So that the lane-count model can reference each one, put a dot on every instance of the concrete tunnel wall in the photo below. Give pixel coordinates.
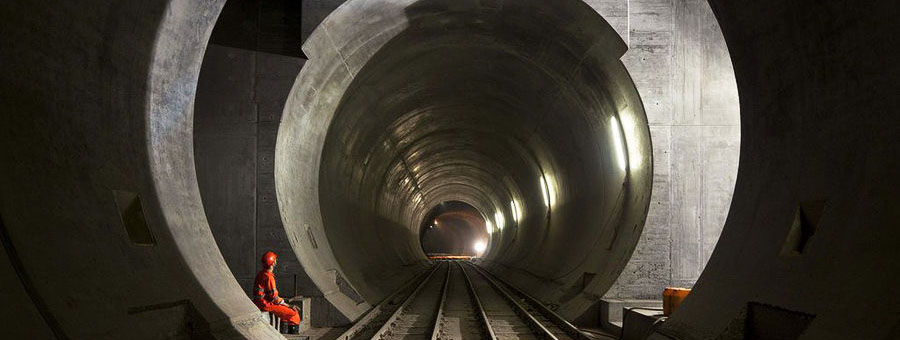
(817, 84)
(98, 106)
(819, 163)
(522, 104)
(679, 63)
(240, 97)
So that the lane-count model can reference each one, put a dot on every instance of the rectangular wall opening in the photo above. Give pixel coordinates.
(131, 212)
(766, 322)
(803, 227)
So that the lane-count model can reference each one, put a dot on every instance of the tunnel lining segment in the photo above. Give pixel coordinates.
(353, 46)
(104, 101)
(307, 114)
(39, 304)
(182, 36)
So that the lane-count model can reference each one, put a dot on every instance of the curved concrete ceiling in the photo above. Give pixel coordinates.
(522, 105)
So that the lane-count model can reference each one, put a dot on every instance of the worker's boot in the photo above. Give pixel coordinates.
(293, 329)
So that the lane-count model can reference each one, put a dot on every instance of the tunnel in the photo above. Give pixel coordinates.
(527, 111)
(453, 229)
(486, 105)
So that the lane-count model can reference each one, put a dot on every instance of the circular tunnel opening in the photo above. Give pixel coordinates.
(453, 229)
(524, 111)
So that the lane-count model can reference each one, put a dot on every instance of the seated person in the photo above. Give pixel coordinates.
(265, 294)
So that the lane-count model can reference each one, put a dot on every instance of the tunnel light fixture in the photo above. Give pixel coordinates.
(634, 150)
(516, 210)
(489, 226)
(545, 191)
(500, 220)
(618, 143)
(480, 246)
(548, 190)
(551, 189)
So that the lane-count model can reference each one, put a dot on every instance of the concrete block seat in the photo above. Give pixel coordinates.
(613, 311)
(274, 321)
(303, 302)
(639, 322)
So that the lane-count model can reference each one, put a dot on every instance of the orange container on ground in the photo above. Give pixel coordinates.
(672, 298)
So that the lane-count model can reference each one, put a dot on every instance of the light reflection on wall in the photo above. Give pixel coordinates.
(631, 141)
(618, 142)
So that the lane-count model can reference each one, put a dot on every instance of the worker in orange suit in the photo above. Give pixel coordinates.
(265, 294)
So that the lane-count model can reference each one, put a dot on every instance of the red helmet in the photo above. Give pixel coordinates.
(268, 259)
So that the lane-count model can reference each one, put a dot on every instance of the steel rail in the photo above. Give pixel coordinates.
(535, 324)
(557, 319)
(435, 332)
(375, 311)
(390, 321)
(484, 317)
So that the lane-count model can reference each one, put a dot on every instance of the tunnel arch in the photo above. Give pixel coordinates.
(106, 152)
(497, 105)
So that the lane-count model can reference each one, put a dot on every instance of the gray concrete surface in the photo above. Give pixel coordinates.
(430, 101)
(681, 66)
(240, 96)
(818, 87)
(98, 97)
(679, 62)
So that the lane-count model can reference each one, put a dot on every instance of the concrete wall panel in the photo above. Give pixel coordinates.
(240, 97)
(101, 95)
(817, 85)
(21, 309)
(681, 67)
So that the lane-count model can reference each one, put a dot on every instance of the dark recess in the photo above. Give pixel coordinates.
(131, 211)
(765, 322)
(803, 227)
(461, 225)
(263, 26)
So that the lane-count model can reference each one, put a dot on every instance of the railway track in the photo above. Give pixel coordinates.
(548, 319)
(460, 317)
(459, 301)
(367, 326)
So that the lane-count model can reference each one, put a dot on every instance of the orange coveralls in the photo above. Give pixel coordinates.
(265, 296)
